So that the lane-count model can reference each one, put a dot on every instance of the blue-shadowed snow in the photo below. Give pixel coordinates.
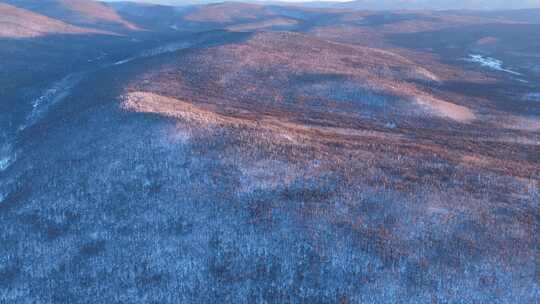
(5, 162)
(533, 96)
(50, 96)
(7, 155)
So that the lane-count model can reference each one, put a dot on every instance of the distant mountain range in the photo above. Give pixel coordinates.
(440, 4)
(381, 4)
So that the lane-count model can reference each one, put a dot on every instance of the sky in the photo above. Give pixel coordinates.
(206, 1)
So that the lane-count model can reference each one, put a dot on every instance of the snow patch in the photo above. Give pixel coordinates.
(5, 162)
(168, 48)
(98, 58)
(533, 97)
(7, 156)
(390, 125)
(52, 95)
(124, 61)
(491, 63)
